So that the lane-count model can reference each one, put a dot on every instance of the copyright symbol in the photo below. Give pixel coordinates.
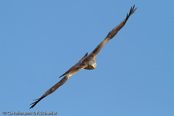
(4, 113)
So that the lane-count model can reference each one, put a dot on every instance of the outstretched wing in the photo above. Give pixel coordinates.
(112, 33)
(69, 70)
(60, 83)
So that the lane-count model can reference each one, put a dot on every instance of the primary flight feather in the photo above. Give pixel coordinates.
(87, 61)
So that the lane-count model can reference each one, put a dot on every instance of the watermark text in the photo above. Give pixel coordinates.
(29, 113)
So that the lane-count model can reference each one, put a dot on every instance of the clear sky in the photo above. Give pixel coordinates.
(40, 40)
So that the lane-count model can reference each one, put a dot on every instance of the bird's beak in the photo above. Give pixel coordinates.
(93, 66)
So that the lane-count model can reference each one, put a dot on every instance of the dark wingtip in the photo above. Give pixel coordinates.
(60, 76)
(86, 54)
(132, 10)
(36, 101)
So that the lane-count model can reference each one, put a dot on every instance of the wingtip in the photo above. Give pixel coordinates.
(36, 101)
(132, 10)
(62, 75)
(133, 5)
(86, 54)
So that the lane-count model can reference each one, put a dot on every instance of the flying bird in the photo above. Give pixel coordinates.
(87, 61)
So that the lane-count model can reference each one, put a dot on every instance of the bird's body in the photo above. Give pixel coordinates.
(87, 61)
(91, 64)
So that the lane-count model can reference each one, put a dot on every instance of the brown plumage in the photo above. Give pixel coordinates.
(87, 61)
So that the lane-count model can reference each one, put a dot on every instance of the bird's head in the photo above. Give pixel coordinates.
(91, 65)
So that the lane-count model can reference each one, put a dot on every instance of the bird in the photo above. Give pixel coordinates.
(87, 62)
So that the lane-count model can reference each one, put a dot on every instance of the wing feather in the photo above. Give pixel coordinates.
(69, 70)
(60, 83)
(112, 33)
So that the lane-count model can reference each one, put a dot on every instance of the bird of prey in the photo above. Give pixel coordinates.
(87, 61)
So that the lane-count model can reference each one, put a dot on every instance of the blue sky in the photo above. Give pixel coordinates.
(40, 40)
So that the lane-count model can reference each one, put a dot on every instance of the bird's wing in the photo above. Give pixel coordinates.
(111, 34)
(60, 83)
(69, 70)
